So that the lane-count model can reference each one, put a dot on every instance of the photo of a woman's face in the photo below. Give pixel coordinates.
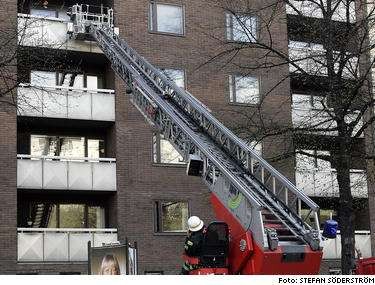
(110, 270)
(110, 265)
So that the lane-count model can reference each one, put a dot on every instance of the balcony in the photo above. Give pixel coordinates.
(323, 183)
(332, 247)
(311, 58)
(66, 102)
(312, 115)
(60, 245)
(66, 173)
(311, 9)
(46, 32)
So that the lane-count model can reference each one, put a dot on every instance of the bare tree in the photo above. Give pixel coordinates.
(328, 53)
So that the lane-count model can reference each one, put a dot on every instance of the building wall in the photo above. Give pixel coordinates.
(8, 130)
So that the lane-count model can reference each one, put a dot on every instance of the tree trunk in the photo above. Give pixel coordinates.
(346, 211)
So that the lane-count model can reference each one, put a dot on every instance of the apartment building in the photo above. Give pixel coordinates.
(80, 163)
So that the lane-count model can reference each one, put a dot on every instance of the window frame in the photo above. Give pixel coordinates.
(156, 151)
(158, 220)
(229, 26)
(232, 88)
(153, 21)
(85, 214)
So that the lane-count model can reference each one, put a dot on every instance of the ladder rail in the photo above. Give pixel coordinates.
(145, 88)
(265, 166)
(192, 129)
(184, 98)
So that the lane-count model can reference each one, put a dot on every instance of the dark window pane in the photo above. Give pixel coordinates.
(72, 216)
(174, 216)
(96, 218)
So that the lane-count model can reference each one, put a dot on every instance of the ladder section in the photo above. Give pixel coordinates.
(192, 129)
(160, 108)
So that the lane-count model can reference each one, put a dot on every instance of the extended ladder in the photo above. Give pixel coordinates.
(264, 201)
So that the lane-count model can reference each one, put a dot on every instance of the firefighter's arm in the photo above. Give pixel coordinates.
(188, 245)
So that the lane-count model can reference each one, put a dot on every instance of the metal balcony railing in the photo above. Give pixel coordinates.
(66, 102)
(66, 173)
(60, 245)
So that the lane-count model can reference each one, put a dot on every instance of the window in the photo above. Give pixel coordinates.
(43, 78)
(78, 80)
(45, 13)
(241, 28)
(66, 146)
(76, 216)
(176, 75)
(311, 161)
(244, 89)
(164, 151)
(72, 80)
(257, 146)
(58, 146)
(95, 148)
(166, 18)
(171, 216)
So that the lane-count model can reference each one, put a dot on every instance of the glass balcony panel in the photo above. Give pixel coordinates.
(103, 107)
(55, 175)
(60, 245)
(78, 246)
(38, 172)
(104, 176)
(67, 103)
(29, 174)
(80, 176)
(56, 247)
(30, 246)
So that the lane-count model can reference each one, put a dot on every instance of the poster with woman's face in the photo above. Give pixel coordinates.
(108, 260)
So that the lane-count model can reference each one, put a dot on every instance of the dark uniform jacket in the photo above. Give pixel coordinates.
(194, 243)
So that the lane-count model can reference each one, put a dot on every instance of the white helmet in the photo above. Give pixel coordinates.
(195, 224)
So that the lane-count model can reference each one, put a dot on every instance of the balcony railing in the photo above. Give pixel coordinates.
(66, 173)
(66, 102)
(332, 247)
(60, 245)
(37, 31)
(323, 183)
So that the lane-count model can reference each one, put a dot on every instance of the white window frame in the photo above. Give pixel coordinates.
(153, 19)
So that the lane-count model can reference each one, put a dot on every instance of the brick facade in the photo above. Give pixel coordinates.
(140, 182)
(8, 139)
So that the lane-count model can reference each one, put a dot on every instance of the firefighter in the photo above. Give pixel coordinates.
(193, 242)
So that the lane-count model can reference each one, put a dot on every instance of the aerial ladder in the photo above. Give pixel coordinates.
(261, 206)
